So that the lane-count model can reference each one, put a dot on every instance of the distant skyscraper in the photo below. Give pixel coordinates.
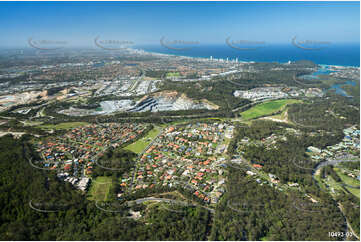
(211, 58)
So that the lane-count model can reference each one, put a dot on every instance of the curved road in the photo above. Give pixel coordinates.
(146, 199)
(335, 162)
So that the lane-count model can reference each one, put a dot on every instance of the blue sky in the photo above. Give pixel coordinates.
(79, 23)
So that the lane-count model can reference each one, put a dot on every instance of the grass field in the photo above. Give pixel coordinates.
(173, 74)
(333, 184)
(338, 185)
(349, 181)
(141, 144)
(99, 188)
(267, 108)
(69, 125)
(354, 191)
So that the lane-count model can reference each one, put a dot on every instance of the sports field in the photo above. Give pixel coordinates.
(267, 108)
(139, 145)
(99, 188)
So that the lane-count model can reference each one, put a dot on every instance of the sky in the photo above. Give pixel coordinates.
(79, 23)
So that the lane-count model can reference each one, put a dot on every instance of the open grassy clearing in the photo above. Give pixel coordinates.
(282, 117)
(354, 191)
(68, 125)
(99, 188)
(346, 179)
(139, 145)
(349, 181)
(173, 74)
(333, 186)
(31, 123)
(267, 108)
(337, 185)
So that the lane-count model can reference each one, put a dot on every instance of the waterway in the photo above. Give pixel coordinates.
(339, 90)
(325, 70)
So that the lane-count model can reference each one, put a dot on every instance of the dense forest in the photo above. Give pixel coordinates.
(317, 123)
(249, 211)
(331, 113)
(349, 203)
(114, 161)
(285, 156)
(351, 208)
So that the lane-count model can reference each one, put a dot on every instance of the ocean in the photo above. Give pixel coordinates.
(332, 54)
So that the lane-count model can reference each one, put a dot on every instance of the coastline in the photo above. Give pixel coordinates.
(145, 49)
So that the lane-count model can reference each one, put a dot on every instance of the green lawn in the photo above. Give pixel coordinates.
(349, 181)
(267, 108)
(346, 179)
(338, 185)
(333, 184)
(354, 191)
(173, 74)
(68, 125)
(139, 145)
(99, 188)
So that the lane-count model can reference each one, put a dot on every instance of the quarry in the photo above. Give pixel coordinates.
(160, 101)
